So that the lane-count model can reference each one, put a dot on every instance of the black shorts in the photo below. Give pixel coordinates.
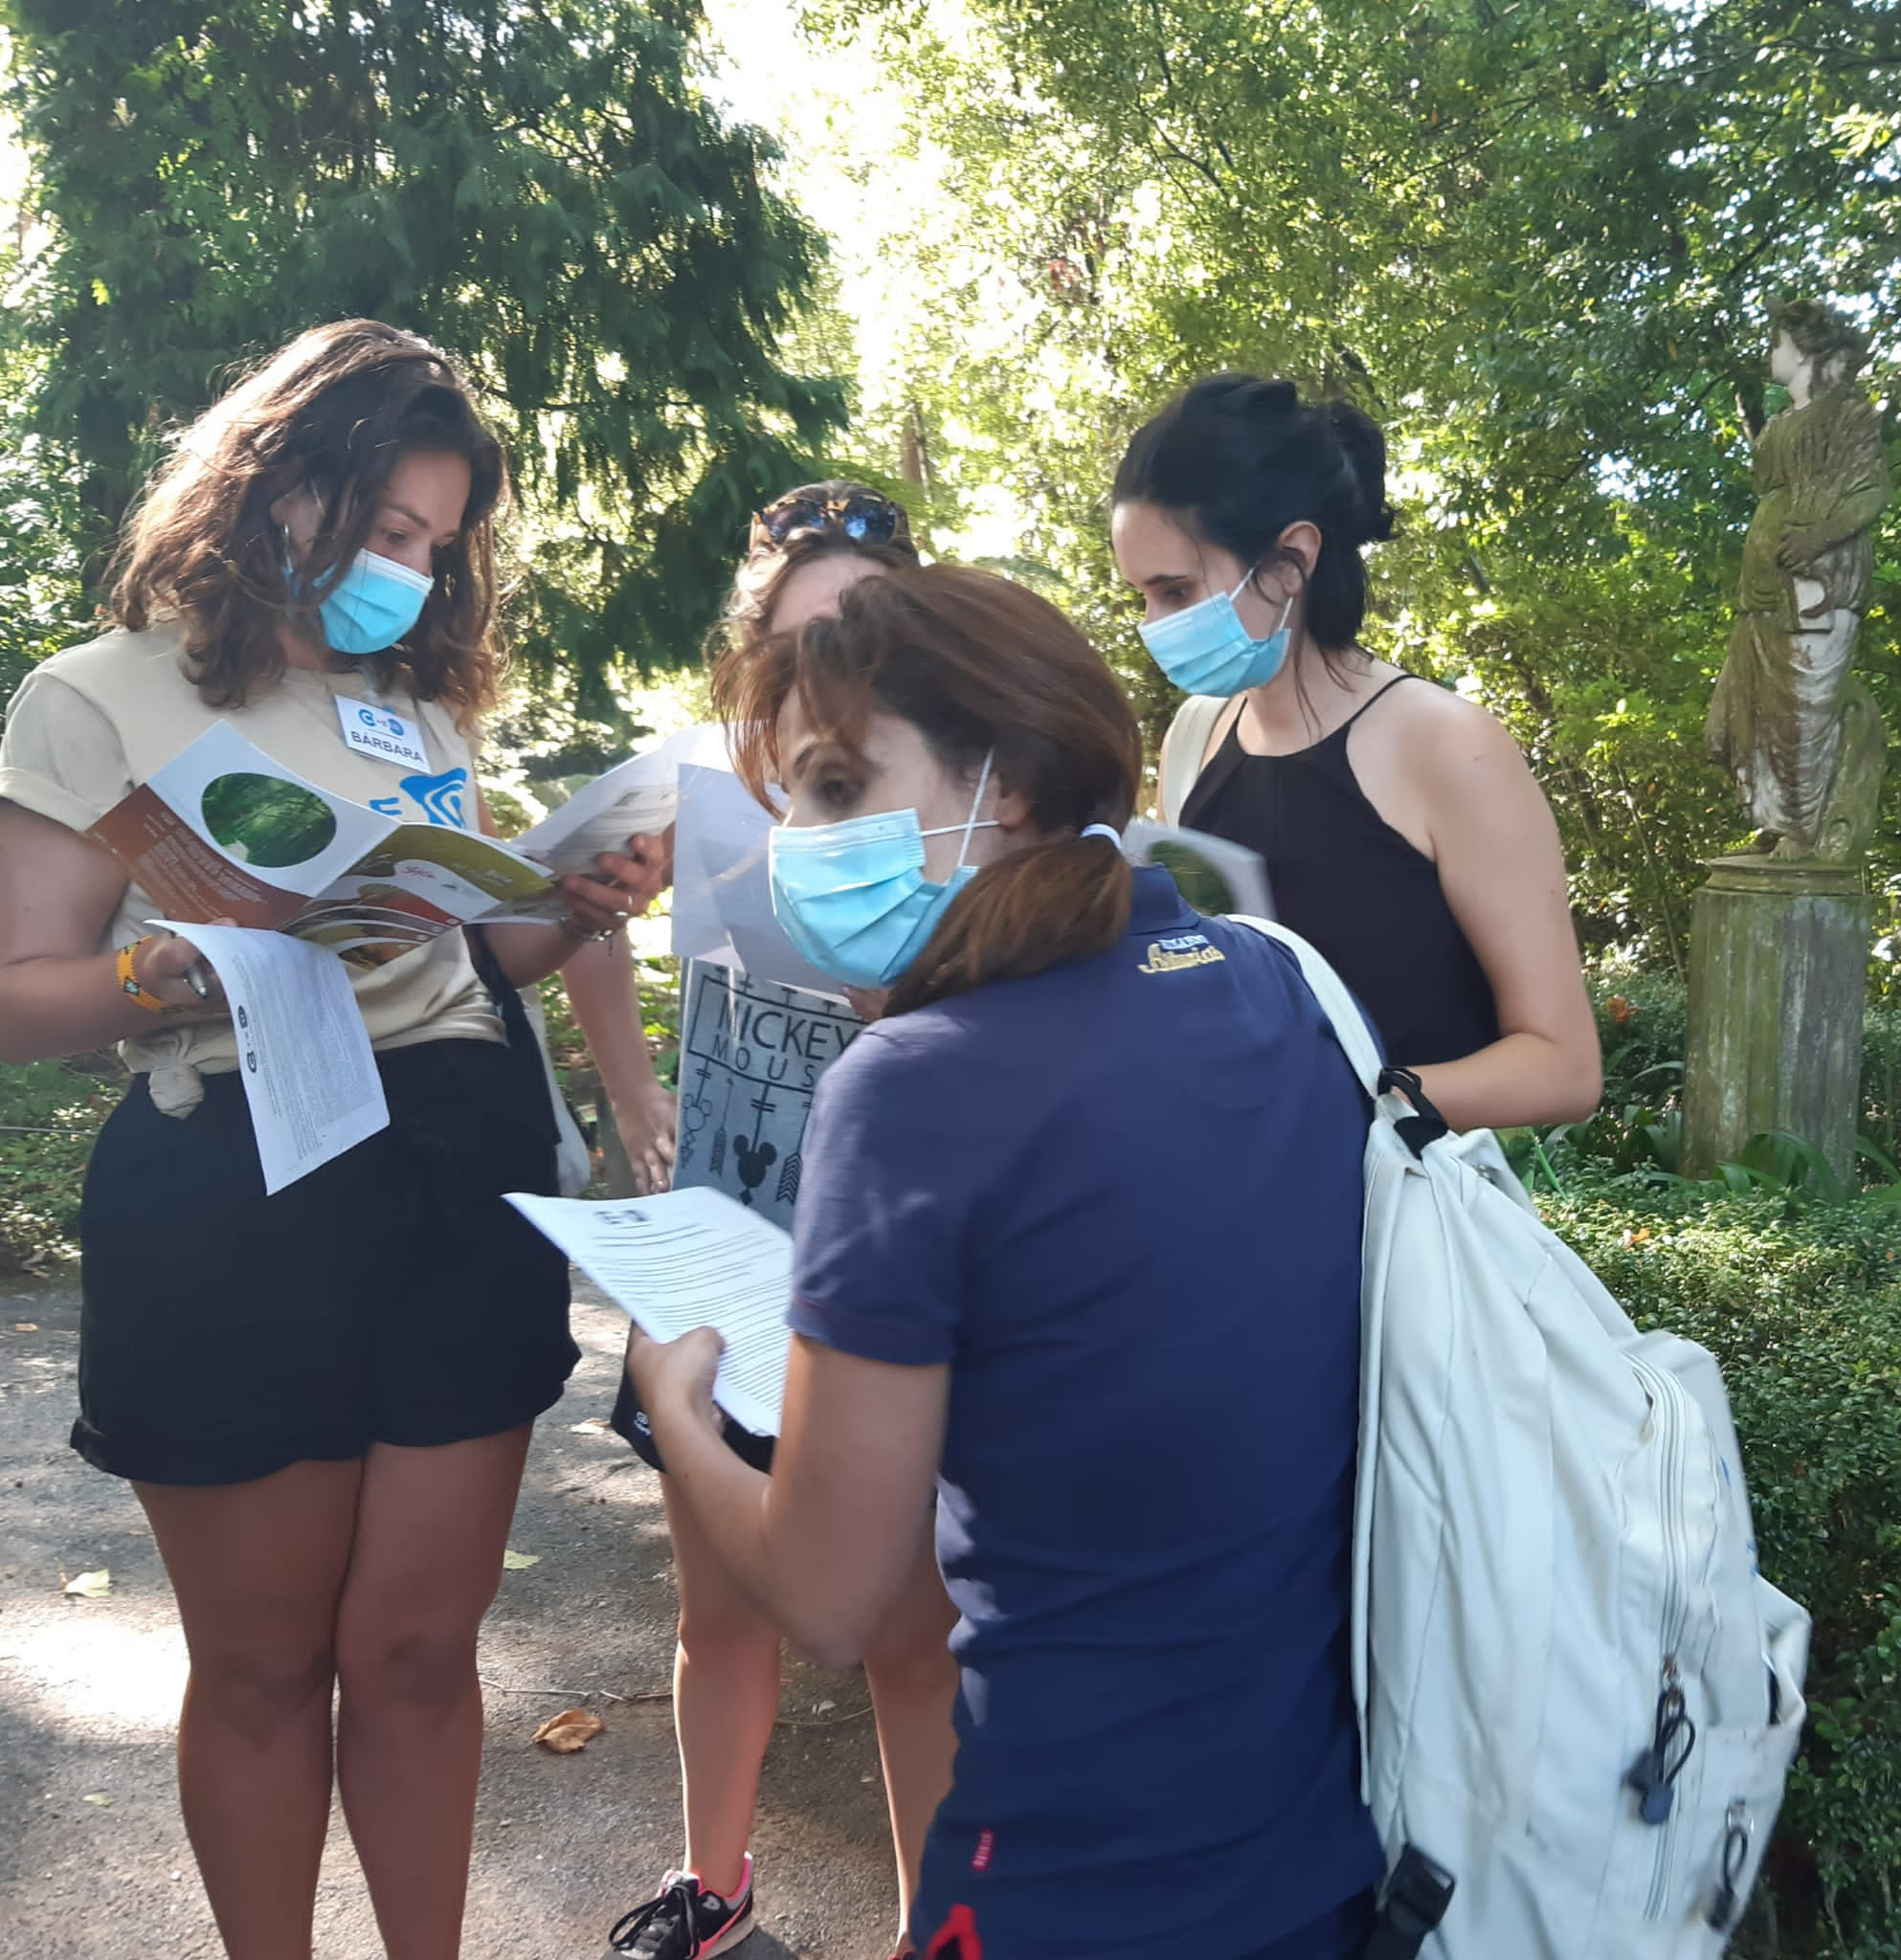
(630, 1420)
(390, 1297)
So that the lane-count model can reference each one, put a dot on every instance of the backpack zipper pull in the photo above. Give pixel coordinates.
(1654, 1774)
(1736, 1829)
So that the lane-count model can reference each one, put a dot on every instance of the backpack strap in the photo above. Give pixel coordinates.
(1423, 1124)
(1188, 737)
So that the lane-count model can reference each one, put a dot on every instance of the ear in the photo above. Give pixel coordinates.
(300, 514)
(1302, 541)
(1010, 809)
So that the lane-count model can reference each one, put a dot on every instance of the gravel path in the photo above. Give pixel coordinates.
(93, 1858)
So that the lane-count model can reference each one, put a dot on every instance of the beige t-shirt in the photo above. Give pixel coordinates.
(89, 725)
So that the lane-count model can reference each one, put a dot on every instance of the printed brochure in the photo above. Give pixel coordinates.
(222, 831)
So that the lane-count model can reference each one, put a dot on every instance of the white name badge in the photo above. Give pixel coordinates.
(372, 729)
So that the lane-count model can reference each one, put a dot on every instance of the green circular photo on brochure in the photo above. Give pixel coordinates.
(265, 821)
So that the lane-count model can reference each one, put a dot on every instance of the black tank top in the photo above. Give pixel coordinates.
(1342, 877)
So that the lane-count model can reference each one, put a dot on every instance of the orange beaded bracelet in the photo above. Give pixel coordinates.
(129, 979)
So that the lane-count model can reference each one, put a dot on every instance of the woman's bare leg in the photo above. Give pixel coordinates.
(726, 1698)
(913, 1688)
(431, 1527)
(257, 1569)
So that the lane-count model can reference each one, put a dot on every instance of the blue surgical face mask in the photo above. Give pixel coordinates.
(1204, 648)
(370, 609)
(853, 897)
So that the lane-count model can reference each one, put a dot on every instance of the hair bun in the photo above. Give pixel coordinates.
(1244, 396)
(1271, 401)
(1365, 449)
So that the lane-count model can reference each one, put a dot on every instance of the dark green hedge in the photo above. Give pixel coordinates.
(1803, 1306)
(50, 1112)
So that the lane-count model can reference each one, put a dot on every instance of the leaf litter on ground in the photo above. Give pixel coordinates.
(570, 1732)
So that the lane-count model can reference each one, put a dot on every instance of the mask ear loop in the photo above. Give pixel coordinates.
(976, 803)
(1247, 579)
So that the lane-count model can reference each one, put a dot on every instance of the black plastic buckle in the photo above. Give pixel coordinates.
(1425, 1126)
(1411, 1907)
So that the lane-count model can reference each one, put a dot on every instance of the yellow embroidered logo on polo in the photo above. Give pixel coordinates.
(1174, 955)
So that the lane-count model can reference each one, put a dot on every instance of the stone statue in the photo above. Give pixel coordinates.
(1790, 722)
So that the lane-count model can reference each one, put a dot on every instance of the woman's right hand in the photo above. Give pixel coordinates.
(645, 1115)
(645, 870)
(160, 965)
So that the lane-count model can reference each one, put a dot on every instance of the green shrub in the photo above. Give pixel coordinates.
(1642, 1026)
(50, 1111)
(1881, 1078)
(1802, 1304)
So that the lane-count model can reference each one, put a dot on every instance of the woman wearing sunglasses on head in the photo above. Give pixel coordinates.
(808, 551)
(1403, 834)
(804, 549)
(323, 1397)
(994, 1293)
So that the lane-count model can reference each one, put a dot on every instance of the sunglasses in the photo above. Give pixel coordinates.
(864, 516)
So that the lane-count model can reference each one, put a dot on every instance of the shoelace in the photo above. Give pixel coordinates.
(680, 1895)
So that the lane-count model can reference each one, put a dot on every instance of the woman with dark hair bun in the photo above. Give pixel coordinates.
(1402, 831)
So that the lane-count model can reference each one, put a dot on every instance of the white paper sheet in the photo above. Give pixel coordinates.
(309, 1074)
(722, 890)
(686, 1260)
(638, 795)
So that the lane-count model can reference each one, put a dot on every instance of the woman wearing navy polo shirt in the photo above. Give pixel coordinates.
(1089, 1188)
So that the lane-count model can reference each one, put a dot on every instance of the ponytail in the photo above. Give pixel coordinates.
(1067, 900)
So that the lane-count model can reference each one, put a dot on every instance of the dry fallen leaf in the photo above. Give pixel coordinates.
(90, 1585)
(519, 1561)
(573, 1729)
(595, 1425)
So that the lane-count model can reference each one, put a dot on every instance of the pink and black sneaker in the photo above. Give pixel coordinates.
(684, 1921)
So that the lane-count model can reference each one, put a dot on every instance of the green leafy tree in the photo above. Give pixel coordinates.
(1534, 240)
(42, 605)
(543, 187)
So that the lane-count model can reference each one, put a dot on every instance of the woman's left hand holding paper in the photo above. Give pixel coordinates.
(677, 1376)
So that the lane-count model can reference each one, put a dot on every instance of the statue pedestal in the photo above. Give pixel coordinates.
(1778, 978)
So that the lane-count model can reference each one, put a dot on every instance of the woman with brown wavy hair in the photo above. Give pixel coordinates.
(321, 1397)
(1095, 1172)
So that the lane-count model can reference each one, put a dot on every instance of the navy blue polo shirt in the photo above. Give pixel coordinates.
(1122, 1200)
